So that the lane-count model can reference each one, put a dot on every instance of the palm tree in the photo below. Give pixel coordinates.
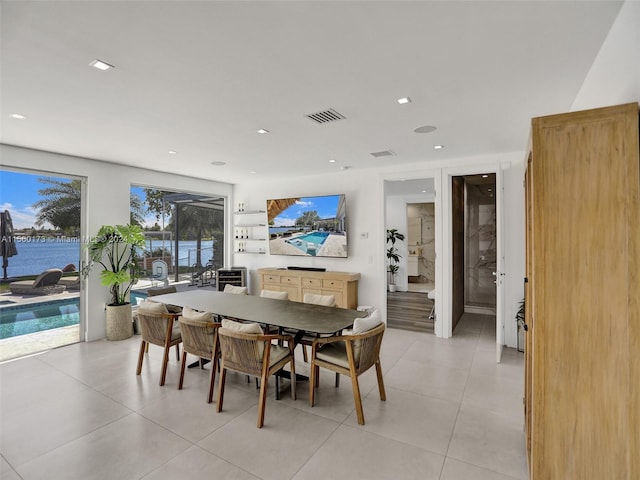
(201, 222)
(60, 206)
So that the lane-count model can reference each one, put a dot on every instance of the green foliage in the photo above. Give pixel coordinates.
(136, 210)
(114, 247)
(393, 257)
(60, 205)
(521, 312)
(308, 218)
(156, 204)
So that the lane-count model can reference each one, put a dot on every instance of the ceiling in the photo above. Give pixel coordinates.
(200, 78)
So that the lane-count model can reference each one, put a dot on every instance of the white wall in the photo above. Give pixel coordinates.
(614, 77)
(366, 205)
(363, 218)
(106, 202)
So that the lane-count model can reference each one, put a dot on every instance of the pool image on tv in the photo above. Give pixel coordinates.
(308, 226)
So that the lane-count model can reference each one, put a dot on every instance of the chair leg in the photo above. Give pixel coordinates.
(212, 380)
(313, 383)
(304, 353)
(165, 364)
(356, 398)
(146, 349)
(263, 398)
(177, 352)
(182, 365)
(294, 393)
(143, 346)
(383, 394)
(223, 375)
(337, 379)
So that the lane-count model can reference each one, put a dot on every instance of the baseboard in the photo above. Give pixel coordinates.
(479, 310)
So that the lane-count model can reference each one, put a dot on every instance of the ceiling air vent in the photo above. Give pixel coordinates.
(384, 153)
(326, 116)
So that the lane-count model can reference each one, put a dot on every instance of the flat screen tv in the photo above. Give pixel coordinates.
(308, 226)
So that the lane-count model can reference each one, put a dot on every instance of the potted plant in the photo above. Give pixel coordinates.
(520, 319)
(114, 248)
(393, 257)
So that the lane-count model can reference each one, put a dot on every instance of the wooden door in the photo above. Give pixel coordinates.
(457, 250)
(585, 247)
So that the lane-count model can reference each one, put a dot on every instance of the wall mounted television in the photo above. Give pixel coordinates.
(308, 226)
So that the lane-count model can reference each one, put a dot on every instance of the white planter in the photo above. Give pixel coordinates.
(392, 287)
(119, 322)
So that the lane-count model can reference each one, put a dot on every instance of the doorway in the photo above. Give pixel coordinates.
(474, 245)
(410, 208)
(40, 292)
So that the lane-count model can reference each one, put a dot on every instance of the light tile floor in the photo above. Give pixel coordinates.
(80, 412)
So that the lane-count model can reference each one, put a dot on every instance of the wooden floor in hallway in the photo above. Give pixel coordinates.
(409, 311)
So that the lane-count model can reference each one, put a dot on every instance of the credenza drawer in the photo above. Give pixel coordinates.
(311, 282)
(271, 278)
(290, 280)
(337, 284)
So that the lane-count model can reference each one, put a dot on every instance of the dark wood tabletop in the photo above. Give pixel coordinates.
(279, 313)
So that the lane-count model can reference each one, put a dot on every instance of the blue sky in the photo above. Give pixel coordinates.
(326, 206)
(19, 191)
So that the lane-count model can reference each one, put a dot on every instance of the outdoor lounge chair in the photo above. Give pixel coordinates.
(71, 282)
(45, 284)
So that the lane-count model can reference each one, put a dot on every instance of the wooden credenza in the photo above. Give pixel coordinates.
(342, 285)
(582, 292)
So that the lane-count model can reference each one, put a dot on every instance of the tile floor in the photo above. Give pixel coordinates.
(80, 412)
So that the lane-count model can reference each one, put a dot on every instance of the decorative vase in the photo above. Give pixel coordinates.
(119, 322)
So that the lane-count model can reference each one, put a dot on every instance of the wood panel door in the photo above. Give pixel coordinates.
(586, 321)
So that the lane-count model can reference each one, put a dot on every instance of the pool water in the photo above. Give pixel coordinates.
(22, 319)
(35, 317)
(301, 242)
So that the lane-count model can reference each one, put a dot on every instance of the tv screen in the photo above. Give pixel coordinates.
(308, 226)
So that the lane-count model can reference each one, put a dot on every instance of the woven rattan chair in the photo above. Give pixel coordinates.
(327, 301)
(152, 292)
(350, 355)
(199, 338)
(254, 355)
(228, 288)
(158, 329)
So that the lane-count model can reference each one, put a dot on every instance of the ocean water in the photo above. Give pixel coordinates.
(36, 254)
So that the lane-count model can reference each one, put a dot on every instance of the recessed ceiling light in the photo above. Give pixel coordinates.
(262, 130)
(438, 147)
(100, 65)
(489, 190)
(332, 161)
(17, 116)
(172, 152)
(424, 191)
(403, 100)
(485, 176)
(425, 129)
(218, 163)
(253, 172)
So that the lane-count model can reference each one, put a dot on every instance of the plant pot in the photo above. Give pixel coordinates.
(119, 322)
(392, 287)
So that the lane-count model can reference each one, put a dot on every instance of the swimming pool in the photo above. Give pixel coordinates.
(21, 319)
(302, 242)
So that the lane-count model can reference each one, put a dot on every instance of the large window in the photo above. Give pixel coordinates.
(40, 285)
(183, 230)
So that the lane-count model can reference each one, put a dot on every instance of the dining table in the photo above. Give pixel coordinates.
(284, 314)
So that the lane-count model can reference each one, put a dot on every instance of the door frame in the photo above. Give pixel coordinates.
(446, 290)
(436, 175)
